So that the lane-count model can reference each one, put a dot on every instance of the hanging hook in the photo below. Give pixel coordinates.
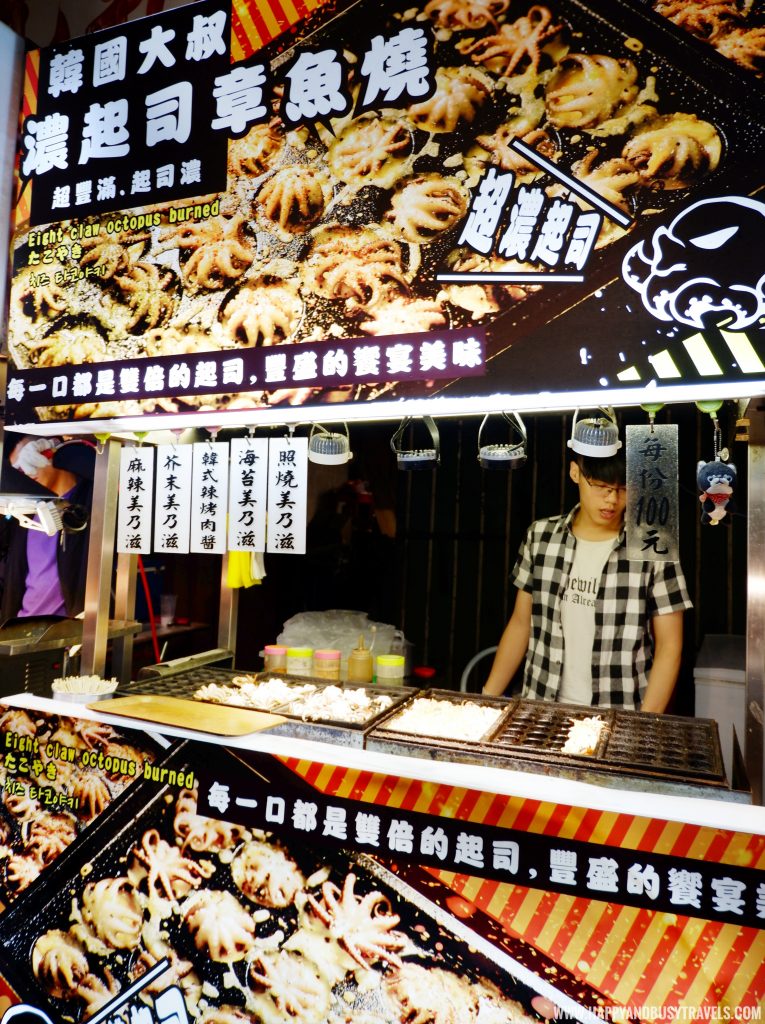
(101, 440)
(652, 409)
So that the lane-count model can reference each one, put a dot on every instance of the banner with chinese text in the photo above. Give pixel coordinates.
(440, 208)
(258, 868)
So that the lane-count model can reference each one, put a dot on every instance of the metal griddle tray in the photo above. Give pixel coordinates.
(634, 743)
(666, 745)
(534, 732)
(185, 685)
(382, 737)
(106, 853)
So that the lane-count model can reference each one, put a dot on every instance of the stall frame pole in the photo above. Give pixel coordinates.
(755, 603)
(124, 608)
(228, 612)
(103, 523)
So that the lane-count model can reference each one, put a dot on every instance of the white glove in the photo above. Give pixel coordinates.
(34, 456)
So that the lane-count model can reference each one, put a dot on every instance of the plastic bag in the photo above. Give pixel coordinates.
(340, 629)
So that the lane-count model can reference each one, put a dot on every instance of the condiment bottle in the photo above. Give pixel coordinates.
(360, 664)
(326, 664)
(390, 669)
(275, 658)
(299, 661)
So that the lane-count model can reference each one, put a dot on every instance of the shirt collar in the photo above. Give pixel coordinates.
(566, 523)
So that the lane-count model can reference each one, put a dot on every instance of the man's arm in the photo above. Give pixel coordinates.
(512, 647)
(668, 648)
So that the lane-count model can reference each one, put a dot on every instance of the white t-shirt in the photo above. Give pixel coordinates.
(578, 619)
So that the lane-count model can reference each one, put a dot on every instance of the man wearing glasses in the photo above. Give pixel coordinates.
(594, 627)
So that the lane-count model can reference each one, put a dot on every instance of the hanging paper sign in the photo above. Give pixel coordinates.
(172, 505)
(287, 494)
(651, 518)
(209, 494)
(247, 494)
(134, 505)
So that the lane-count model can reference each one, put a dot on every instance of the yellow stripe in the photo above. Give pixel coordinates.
(447, 878)
(371, 791)
(743, 351)
(270, 19)
(577, 946)
(603, 827)
(630, 374)
(426, 797)
(322, 779)
(498, 903)
(452, 803)
(630, 968)
(510, 812)
(736, 992)
(634, 834)
(700, 845)
(252, 34)
(571, 823)
(526, 911)
(602, 963)
(472, 888)
(482, 808)
(712, 965)
(564, 907)
(543, 814)
(290, 12)
(664, 365)
(673, 970)
(346, 787)
(703, 358)
(400, 792)
(668, 837)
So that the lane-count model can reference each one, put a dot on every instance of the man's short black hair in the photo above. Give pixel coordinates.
(611, 470)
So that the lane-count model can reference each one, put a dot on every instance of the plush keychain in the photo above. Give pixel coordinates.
(716, 478)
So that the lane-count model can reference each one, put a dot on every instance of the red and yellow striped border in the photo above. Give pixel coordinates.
(636, 957)
(255, 24)
(23, 193)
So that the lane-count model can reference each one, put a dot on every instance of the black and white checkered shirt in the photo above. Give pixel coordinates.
(629, 595)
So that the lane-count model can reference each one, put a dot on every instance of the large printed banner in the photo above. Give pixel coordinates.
(387, 203)
(148, 878)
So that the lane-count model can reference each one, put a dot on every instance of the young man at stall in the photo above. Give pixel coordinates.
(594, 627)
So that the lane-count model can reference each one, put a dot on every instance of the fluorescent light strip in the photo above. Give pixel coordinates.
(545, 401)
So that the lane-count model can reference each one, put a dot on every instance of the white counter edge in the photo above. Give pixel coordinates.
(709, 813)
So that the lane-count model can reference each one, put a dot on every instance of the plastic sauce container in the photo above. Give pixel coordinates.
(390, 669)
(275, 658)
(300, 661)
(326, 664)
(360, 664)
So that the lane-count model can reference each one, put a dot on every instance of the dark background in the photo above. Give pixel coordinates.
(444, 576)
